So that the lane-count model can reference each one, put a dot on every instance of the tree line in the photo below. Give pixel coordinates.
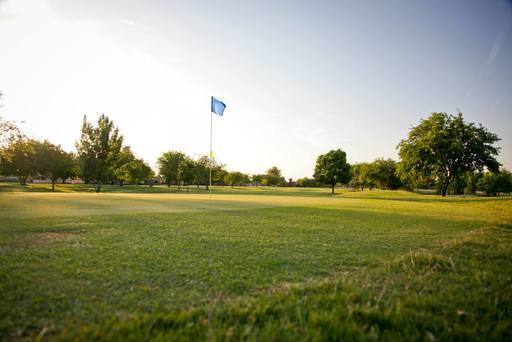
(102, 158)
(443, 152)
(178, 169)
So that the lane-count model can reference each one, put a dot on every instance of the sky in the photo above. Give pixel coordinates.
(299, 78)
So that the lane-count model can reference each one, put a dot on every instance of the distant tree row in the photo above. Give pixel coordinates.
(178, 169)
(442, 151)
(25, 157)
(100, 158)
(381, 173)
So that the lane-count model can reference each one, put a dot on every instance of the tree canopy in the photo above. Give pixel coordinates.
(332, 168)
(169, 166)
(98, 151)
(495, 183)
(19, 159)
(273, 177)
(53, 162)
(444, 147)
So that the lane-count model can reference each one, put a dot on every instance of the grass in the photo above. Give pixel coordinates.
(252, 264)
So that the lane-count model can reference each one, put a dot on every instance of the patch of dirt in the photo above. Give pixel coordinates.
(48, 238)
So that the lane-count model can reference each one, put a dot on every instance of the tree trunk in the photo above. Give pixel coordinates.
(332, 192)
(97, 186)
(23, 180)
(53, 184)
(445, 189)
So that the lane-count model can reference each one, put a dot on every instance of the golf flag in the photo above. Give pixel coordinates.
(217, 106)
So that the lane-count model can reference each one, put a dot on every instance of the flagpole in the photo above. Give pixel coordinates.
(211, 153)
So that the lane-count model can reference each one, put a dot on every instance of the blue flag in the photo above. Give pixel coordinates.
(218, 106)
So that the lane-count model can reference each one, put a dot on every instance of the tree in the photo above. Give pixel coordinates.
(168, 165)
(135, 171)
(19, 158)
(496, 183)
(98, 150)
(306, 182)
(124, 166)
(52, 162)
(187, 171)
(332, 168)
(145, 172)
(246, 179)
(444, 147)
(383, 173)
(218, 172)
(471, 180)
(234, 178)
(202, 171)
(357, 176)
(257, 179)
(504, 182)
(274, 177)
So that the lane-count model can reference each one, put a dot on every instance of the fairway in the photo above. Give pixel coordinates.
(70, 260)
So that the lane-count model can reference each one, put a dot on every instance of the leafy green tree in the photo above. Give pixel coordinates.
(257, 179)
(306, 182)
(98, 150)
(383, 173)
(458, 185)
(169, 167)
(360, 176)
(367, 176)
(496, 183)
(52, 162)
(202, 171)
(332, 168)
(444, 147)
(233, 178)
(355, 179)
(504, 183)
(18, 158)
(187, 171)
(124, 166)
(218, 173)
(471, 180)
(145, 172)
(273, 176)
(136, 171)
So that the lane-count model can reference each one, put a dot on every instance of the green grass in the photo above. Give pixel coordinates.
(252, 263)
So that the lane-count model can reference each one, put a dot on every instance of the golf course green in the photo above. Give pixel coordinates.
(253, 263)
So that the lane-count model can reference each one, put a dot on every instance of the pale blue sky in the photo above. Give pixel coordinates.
(299, 77)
